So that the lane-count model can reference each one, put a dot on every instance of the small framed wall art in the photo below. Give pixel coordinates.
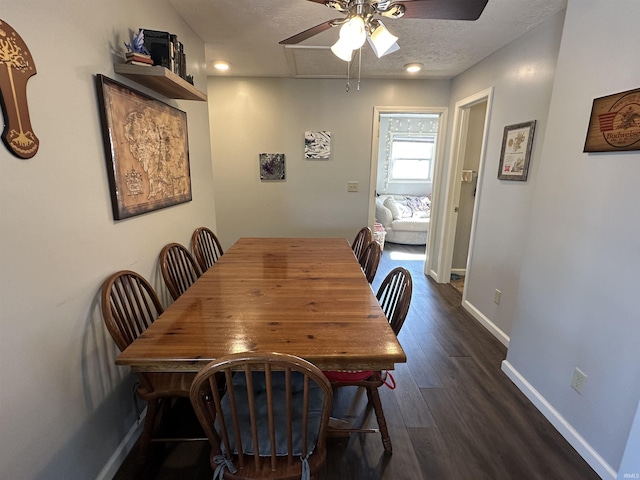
(317, 145)
(615, 123)
(272, 166)
(517, 142)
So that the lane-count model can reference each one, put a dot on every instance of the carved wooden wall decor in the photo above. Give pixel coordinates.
(16, 67)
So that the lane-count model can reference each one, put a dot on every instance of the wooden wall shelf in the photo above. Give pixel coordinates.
(161, 80)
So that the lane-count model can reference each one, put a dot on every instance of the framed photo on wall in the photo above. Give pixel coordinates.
(272, 166)
(147, 150)
(317, 145)
(517, 142)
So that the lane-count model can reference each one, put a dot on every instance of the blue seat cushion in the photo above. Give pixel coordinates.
(316, 399)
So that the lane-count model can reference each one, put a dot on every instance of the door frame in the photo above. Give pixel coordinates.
(375, 142)
(442, 249)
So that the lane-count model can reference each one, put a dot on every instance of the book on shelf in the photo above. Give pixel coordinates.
(143, 64)
(183, 65)
(173, 49)
(136, 57)
(137, 54)
(158, 44)
(166, 50)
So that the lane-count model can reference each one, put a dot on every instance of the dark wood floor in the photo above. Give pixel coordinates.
(453, 415)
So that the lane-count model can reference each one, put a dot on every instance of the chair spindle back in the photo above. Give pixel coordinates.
(206, 248)
(179, 269)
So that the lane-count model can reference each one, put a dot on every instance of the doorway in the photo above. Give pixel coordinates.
(409, 125)
(458, 190)
(468, 190)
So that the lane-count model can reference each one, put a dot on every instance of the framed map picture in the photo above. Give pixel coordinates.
(147, 150)
(517, 142)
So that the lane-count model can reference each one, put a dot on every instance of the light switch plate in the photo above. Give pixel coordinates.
(496, 297)
(352, 186)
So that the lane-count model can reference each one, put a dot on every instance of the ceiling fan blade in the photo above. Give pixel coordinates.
(310, 32)
(443, 9)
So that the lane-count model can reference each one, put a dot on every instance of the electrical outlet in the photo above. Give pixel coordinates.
(496, 297)
(352, 186)
(578, 380)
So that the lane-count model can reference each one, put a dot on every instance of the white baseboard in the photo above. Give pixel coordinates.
(113, 464)
(433, 274)
(586, 451)
(459, 271)
(486, 323)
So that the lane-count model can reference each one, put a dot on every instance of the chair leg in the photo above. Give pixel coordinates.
(374, 398)
(145, 438)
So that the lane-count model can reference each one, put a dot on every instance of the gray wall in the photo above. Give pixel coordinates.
(563, 246)
(578, 285)
(631, 460)
(521, 75)
(64, 405)
(254, 115)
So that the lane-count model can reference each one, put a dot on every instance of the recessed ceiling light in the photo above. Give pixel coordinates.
(413, 67)
(221, 66)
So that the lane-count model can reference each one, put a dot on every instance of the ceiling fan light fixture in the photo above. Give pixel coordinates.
(413, 67)
(381, 40)
(393, 48)
(353, 32)
(342, 50)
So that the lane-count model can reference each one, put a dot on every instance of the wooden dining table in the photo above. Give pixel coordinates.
(302, 296)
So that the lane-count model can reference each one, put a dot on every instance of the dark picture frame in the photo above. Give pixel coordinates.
(147, 150)
(517, 142)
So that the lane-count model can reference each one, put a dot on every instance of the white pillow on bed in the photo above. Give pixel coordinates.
(398, 210)
(391, 204)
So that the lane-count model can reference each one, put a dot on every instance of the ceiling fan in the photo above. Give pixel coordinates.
(360, 23)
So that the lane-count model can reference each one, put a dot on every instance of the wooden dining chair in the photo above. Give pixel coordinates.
(370, 259)
(361, 240)
(129, 306)
(179, 269)
(271, 422)
(394, 296)
(206, 248)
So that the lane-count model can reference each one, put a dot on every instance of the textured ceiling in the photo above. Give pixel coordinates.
(246, 33)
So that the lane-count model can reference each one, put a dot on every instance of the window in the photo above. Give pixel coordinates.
(411, 157)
